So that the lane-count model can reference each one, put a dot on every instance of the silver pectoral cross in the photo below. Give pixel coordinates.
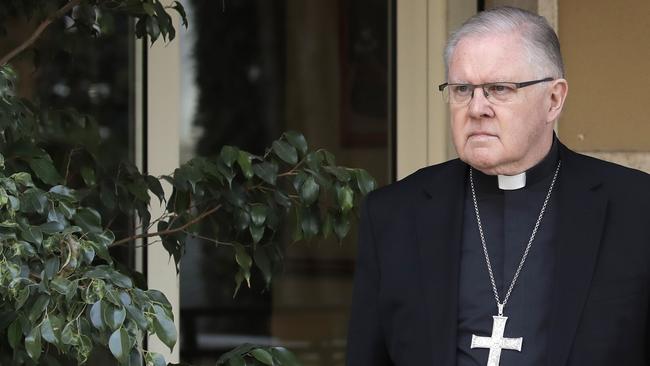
(497, 342)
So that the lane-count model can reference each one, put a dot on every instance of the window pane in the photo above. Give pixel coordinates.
(251, 70)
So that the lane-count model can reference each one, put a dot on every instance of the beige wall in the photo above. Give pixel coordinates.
(530, 5)
(606, 46)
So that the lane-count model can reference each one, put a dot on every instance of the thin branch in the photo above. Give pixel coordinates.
(67, 166)
(169, 231)
(212, 240)
(37, 32)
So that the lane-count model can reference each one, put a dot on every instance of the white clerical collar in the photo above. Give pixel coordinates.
(512, 182)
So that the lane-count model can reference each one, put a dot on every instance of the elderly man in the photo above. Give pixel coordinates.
(521, 252)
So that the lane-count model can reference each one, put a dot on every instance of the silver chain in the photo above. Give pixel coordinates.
(501, 305)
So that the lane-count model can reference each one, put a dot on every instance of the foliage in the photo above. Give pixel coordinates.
(248, 354)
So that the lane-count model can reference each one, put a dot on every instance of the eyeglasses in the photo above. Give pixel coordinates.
(497, 93)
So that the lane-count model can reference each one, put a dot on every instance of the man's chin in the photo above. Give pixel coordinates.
(486, 164)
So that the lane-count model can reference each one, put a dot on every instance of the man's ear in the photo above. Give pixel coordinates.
(557, 96)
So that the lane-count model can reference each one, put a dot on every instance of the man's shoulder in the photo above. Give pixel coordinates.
(615, 176)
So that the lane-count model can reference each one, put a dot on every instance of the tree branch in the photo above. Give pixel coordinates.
(38, 31)
(169, 231)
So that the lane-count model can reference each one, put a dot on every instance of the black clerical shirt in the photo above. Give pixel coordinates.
(508, 218)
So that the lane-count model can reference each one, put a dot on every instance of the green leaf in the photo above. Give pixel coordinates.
(32, 234)
(164, 327)
(88, 219)
(61, 285)
(309, 223)
(15, 333)
(23, 179)
(88, 176)
(229, 154)
(33, 343)
(298, 181)
(63, 192)
(365, 181)
(135, 358)
(69, 335)
(244, 161)
(239, 278)
(345, 198)
(38, 308)
(285, 152)
(101, 250)
(136, 315)
(257, 232)
(87, 252)
(258, 214)
(48, 332)
(21, 298)
(154, 186)
(329, 158)
(236, 361)
(155, 359)
(120, 280)
(281, 199)
(107, 196)
(341, 226)
(96, 315)
(4, 198)
(51, 267)
(297, 140)
(263, 356)
(66, 210)
(149, 9)
(54, 214)
(33, 200)
(120, 345)
(51, 227)
(284, 356)
(45, 170)
(341, 173)
(139, 190)
(309, 191)
(268, 172)
(314, 160)
(242, 219)
(244, 260)
(113, 316)
(181, 11)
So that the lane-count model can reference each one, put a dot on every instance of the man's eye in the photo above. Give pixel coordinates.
(461, 89)
(500, 89)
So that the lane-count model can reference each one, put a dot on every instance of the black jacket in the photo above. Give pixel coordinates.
(404, 310)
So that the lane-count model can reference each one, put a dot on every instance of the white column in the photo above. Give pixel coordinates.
(163, 155)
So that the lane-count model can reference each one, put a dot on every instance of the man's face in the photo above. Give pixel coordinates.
(499, 138)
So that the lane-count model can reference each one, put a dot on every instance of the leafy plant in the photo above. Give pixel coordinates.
(62, 292)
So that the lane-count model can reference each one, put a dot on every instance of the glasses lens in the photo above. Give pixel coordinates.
(501, 92)
(460, 93)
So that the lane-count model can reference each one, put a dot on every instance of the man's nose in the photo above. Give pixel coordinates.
(479, 105)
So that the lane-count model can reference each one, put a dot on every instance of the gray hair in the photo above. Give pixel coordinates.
(538, 36)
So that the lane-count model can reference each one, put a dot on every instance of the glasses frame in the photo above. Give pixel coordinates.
(518, 85)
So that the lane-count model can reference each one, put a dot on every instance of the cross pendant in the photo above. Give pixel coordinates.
(497, 342)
